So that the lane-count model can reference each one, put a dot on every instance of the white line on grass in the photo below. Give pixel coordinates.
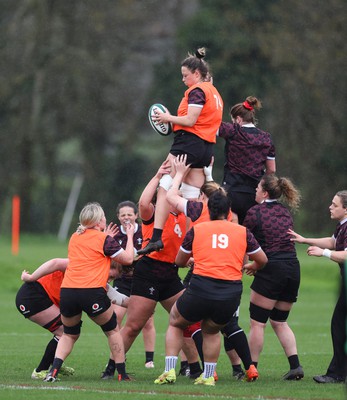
(130, 392)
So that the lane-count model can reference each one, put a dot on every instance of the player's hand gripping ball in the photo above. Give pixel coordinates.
(163, 128)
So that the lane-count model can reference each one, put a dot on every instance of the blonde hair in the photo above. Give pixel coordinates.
(91, 215)
(210, 187)
(281, 188)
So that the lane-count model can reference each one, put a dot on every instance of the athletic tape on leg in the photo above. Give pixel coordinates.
(189, 191)
(166, 182)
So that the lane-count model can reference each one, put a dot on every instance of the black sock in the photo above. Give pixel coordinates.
(156, 235)
(48, 357)
(237, 368)
(239, 342)
(293, 361)
(255, 363)
(57, 363)
(195, 368)
(184, 364)
(121, 368)
(149, 356)
(197, 337)
(111, 366)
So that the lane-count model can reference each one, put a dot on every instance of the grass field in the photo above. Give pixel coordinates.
(22, 344)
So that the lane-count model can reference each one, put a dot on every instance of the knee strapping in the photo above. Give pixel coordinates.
(73, 330)
(189, 191)
(279, 315)
(166, 182)
(54, 324)
(231, 328)
(111, 324)
(259, 314)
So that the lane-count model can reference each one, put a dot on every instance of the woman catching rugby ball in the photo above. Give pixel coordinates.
(195, 127)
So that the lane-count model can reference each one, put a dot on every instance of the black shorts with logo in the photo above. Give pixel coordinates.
(93, 301)
(199, 152)
(31, 299)
(157, 291)
(155, 280)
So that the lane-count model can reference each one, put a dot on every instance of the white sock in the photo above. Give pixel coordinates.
(170, 362)
(209, 369)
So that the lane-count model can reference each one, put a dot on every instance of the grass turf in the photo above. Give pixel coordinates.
(23, 343)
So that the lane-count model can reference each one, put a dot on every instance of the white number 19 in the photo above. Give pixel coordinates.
(221, 241)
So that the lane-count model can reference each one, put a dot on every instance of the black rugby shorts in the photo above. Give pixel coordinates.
(278, 280)
(195, 308)
(156, 290)
(92, 301)
(32, 298)
(199, 152)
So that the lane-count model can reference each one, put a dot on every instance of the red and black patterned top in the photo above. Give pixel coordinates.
(246, 149)
(269, 222)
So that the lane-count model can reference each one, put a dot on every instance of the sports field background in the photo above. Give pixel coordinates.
(22, 343)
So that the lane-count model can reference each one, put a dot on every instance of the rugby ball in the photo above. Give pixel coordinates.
(163, 129)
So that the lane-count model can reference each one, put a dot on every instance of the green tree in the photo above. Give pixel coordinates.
(74, 79)
(77, 78)
(291, 55)
(306, 45)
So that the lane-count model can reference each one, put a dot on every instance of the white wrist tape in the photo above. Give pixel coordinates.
(189, 191)
(208, 173)
(166, 182)
(115, 296)
(327, 253)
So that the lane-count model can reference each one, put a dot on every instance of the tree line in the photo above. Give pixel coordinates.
(77, 79)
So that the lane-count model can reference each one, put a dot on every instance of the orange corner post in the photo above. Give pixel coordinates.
(15, 224)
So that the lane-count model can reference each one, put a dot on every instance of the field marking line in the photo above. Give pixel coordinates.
(139, 392)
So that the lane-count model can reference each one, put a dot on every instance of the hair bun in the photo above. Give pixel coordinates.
(200, 53)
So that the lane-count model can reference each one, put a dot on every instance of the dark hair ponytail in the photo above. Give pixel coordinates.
(218, 205)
